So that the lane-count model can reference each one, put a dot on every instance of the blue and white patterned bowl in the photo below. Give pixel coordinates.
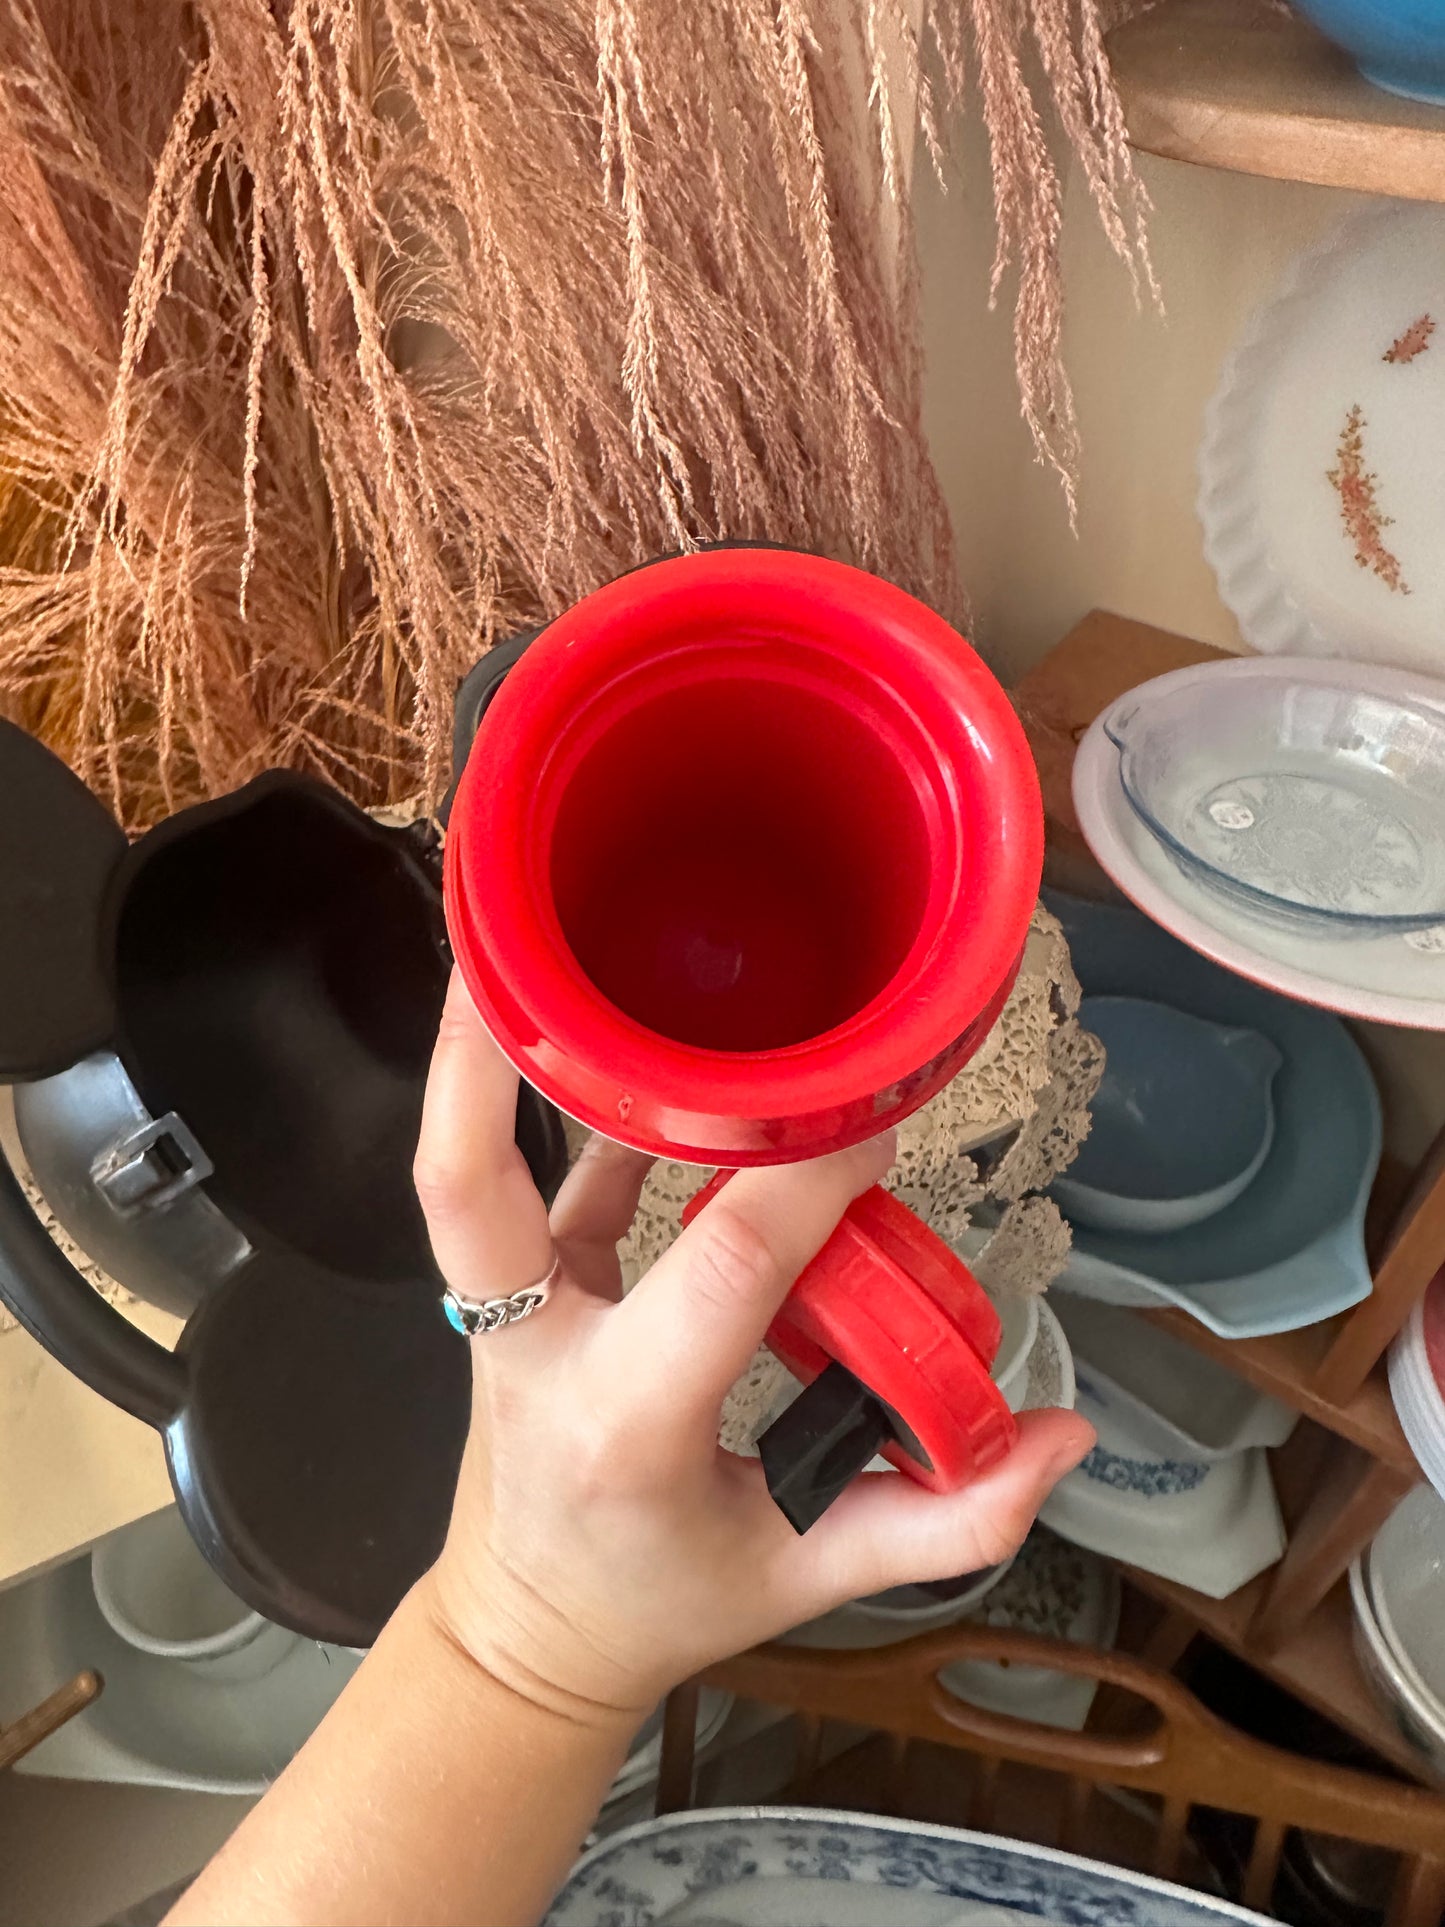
(746, 1866)
(1211, 1524)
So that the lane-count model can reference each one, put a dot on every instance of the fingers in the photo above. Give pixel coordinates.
(887, 1531)
(594, 1211)
(487, 1221)
(700, 1313)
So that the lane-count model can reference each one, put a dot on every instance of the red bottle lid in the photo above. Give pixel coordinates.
(887, 1299)
(742, 864)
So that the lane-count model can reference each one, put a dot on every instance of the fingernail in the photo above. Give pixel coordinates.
(886, 1144)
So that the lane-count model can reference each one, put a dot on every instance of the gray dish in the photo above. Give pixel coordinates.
(1290, 1250)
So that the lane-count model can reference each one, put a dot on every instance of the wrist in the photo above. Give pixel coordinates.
(483, 1655)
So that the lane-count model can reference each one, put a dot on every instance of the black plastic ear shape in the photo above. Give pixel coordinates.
(58, 849)
(317, 1454)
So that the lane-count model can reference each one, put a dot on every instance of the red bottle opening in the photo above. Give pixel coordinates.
(742, 864)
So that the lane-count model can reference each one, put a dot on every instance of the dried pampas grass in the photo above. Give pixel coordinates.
(340, 337)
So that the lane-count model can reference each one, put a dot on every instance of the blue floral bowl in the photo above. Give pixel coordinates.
(1397, 44)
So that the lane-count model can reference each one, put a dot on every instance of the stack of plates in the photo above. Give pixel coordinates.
(1417, 1384)
(1303, 781)
(1397, 1589)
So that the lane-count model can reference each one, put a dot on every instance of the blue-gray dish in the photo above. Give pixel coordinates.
(742, 1866)
(1182, 1121)
(1290, 1249)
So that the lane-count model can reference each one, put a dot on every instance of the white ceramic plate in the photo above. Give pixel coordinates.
(1322, 466)
(802, 1867)
(1392, 980)
(1063, 1592)
(158, 1722)
(1051, 1587)
(1419, 1401)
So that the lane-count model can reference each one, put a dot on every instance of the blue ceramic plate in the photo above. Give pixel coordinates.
(801, 1867)
(1290, 1250)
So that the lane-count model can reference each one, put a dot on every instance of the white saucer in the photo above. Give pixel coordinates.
(1391, 980)
(158, 1722)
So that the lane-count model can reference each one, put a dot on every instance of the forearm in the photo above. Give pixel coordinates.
(431, 1793)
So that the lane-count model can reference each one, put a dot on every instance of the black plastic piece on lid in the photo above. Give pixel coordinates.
(823, 1440)
(59, 847)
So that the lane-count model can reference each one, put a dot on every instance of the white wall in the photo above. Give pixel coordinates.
(1141, 383)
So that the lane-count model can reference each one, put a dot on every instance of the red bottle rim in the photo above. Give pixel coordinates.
(764, 734)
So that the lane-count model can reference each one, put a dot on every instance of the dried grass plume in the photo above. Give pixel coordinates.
(339, 338)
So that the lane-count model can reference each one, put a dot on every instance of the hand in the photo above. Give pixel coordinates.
(603, 1546)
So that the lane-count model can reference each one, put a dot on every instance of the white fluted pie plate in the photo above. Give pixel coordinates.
(1322, 465)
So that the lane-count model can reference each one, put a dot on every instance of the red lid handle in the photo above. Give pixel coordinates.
(890, 1302)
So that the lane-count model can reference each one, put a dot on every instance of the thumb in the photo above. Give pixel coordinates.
(886, 1530)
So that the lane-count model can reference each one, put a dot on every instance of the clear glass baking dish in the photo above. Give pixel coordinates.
(1312, 804)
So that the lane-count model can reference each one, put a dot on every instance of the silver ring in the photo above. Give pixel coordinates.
(474, 1316)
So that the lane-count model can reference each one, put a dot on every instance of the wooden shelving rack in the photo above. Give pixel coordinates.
(1340, 1481)
(1317, 1664)
(1237, 85)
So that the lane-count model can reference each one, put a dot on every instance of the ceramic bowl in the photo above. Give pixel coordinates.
(1209, 1524)
(1181, 1122)
(1405, 1580)
(1319, 806)
(936, 1602)
(1020, 1320)
(156, 1591)
(160, 1721)
(1396, 44)
(1062, 1592)
(1290, 1249)
(1416, 1717)
(1176, 1402)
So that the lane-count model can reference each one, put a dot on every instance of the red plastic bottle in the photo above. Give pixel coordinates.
(740, 871)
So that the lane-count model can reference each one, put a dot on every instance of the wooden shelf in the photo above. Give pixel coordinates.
(1317, 1664)
(1284, 1364)
(1230, 84)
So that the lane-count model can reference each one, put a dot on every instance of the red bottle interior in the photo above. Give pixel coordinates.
(742, 864)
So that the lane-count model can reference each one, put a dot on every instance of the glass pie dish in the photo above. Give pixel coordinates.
(1316, 804)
